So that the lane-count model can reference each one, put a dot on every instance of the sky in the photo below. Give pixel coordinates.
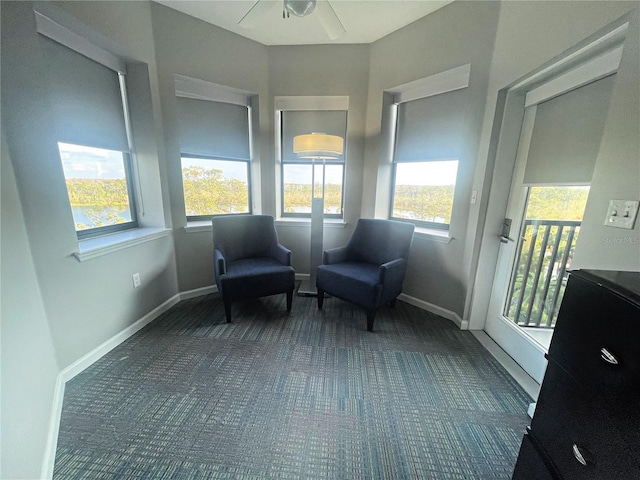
(88, 162)
(427, 173)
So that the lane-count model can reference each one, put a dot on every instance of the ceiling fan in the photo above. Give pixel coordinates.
(298, 8)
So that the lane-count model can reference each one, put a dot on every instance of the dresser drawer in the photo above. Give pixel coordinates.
(577, 434)
(530, 464)
(597, 339)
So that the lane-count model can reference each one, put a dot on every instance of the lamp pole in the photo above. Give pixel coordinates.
(316, 146)
(308, 288)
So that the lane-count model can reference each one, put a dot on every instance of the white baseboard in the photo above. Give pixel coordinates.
(50, 447)
(79, 365)
(430, 307)
(516, 371)
(198, 292)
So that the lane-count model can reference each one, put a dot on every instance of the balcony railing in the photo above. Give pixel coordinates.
(540, 273)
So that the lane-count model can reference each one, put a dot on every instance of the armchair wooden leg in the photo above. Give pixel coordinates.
(289, 299)
(320, 299)
(227, 310)
(371, 314)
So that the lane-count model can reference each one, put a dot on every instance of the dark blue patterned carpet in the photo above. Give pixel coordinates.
(306, 395)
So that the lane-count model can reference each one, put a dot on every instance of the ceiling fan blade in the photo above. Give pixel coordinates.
(330, 21)
(255, 13)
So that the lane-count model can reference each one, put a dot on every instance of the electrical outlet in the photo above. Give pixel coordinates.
(136, 280)
(622, 214)
(474, 196)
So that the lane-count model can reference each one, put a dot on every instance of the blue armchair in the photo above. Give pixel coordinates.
(248, 260)
(370, 269)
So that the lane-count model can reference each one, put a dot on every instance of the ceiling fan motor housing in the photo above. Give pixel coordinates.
(299, 8)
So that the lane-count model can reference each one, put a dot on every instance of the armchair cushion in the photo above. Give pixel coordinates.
(356, 282)
(256, 277)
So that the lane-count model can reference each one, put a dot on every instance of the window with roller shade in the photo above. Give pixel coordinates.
(215, 157)
(426, 157)
(298, 177)
(88, 103)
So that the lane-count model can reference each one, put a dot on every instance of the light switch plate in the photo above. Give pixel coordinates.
(622, 214)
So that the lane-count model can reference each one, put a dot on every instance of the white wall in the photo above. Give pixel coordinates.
(28, 360)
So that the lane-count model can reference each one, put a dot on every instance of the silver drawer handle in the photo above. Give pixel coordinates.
(578, 454)
(608, 357)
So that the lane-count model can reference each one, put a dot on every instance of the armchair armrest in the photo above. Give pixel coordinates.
(334, 255)
(282, 254)
(219, 263)
(392, 272)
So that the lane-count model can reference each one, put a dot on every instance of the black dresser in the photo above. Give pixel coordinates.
(587, 419)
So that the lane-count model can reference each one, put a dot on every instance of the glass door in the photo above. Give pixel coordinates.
(558, 146)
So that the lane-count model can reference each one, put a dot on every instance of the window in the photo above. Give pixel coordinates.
(215, 158)
(426, 159)
(300, 175)
(99, 186)
(88, 101)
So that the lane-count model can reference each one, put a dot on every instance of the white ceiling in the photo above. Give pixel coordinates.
(365, 21)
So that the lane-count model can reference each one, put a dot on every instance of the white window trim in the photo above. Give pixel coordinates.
(189, 87)
(443, 82)
(595, 69)
(61, 34)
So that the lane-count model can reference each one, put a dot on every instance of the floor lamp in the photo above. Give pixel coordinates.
(319, 147)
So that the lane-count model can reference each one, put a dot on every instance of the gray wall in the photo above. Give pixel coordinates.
(28, 360)
(322, 70)
(529, 35)
(460, 33)
(86, 302)
(617, 172)
(191, 47)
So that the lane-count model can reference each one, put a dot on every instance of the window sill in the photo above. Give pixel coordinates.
(434, 235)
(198, 226)
(106, 244)
(306, 222)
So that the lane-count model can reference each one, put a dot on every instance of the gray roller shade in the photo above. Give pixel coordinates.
(566, 135)
(301, 122)
(213, 129)
(430, 128)
(85, 97)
